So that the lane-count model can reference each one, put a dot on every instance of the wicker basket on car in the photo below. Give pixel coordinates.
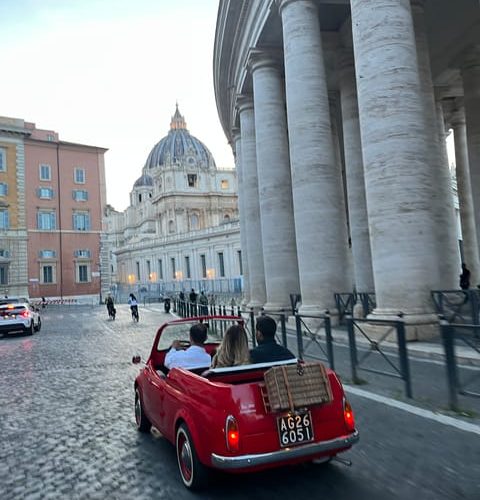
(290, 387)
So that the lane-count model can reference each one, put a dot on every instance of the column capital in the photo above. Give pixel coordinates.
(236, 134)
(281, 4)
(264, 57)
(457, 117)
(243, 102)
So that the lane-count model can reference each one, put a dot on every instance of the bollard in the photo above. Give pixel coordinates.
(284, 329)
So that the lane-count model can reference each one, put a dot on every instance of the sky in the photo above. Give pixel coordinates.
(108, 73)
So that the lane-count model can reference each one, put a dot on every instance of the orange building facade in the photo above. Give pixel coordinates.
(60, 212)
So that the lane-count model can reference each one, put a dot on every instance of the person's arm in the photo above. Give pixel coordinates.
(173, 354)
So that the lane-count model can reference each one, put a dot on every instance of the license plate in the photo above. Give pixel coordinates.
(295, 428)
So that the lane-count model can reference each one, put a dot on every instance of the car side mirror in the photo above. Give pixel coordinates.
(136, 359)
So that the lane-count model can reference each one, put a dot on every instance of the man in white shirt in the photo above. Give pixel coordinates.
(195, 356)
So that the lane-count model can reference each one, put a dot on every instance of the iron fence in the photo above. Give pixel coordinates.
(396, 327)
(468, 335)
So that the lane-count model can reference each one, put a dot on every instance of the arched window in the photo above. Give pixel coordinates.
(226, 218)
(171, 226)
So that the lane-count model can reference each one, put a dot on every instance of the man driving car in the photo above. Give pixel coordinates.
(195, 356)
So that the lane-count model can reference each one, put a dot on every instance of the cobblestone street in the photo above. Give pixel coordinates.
(68, 430)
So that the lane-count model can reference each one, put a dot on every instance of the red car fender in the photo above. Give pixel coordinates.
(184, 416)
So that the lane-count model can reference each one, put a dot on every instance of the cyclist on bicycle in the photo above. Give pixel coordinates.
(132, 301)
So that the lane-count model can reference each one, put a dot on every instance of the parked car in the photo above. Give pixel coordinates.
(222, 418)
(19, 317)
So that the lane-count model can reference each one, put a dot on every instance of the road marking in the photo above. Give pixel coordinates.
(442, 419)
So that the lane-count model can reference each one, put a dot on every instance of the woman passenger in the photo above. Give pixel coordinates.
(233, 350)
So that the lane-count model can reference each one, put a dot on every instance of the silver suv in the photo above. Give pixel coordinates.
(19, 317)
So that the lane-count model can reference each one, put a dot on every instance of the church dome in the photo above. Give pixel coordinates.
(144, 180)
(179, 147)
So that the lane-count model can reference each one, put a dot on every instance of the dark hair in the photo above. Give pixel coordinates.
(133, 296)
(266, 326)
(198, 333)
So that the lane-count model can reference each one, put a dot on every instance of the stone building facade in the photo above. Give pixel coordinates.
(181, 228)
(52, 199)
(337, 112)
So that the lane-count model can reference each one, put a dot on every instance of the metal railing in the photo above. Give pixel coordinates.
(451, 335)
(346, 301)
(396, 326)
(458, 306)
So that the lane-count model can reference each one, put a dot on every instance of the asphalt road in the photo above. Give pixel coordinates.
(67, 429)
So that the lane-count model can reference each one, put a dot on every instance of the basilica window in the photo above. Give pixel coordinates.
(224, 184)
(192, 180)
(203, 263)
(193, 222)
(221, 265)
(171, 226)
(240, 264)
(3, 274)
(187, 267)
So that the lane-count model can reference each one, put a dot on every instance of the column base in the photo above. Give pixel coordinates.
(418, 326)
(315, 310)
(276, 308)
(255, 305)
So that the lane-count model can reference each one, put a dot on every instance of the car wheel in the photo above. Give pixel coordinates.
(143, 424)
(39, 326)
(193, 473)
(31, 329)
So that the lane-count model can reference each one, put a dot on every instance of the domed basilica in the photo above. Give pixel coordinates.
(181, 228)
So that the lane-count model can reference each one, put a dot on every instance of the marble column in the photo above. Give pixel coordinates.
(251, 204)
(471, 91)
(396, 161)
(357, 204)
(322, 242)
(237, 148)
(442, 195)
(465, 201)
(274, 182)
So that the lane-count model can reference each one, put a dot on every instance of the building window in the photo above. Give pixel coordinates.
(50, 137)
(4, 219)
(171, 226)
(45, 193)
(46, 220)
(3, 189)
(45, 172)
(149, 270)
(187, 267)
(81, 221)
(3, 160)
(47, 274)
(193, 222)
(160, 269)
(47, 254)
(226, 218)
(174, 271)
(203, 263)
(221, 264)
(3, 274)
(82, 254)
(79, 176)
(192, 180)
(4, 254)
(137, 267)
(240, 264)
(80, 195)
(83, 273)
(224, 184)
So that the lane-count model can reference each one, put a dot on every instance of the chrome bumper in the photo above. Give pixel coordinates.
(310, 449)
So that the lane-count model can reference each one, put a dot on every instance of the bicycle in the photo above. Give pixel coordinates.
(135, 315)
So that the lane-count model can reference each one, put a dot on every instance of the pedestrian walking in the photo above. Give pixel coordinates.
(465, 277)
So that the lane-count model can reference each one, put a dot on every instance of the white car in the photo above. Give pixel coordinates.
(19, 317)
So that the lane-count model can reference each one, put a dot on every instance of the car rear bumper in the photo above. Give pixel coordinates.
(310, 449)
(14, 327)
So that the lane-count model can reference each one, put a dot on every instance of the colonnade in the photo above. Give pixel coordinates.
(397, 220)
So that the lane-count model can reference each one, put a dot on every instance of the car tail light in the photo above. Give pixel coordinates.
(348, 416)
(25, 314)
(232, 434)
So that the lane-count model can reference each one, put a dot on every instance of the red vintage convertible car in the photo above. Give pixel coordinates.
(222, 419)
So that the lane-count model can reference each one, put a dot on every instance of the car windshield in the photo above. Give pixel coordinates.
(180, 331)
